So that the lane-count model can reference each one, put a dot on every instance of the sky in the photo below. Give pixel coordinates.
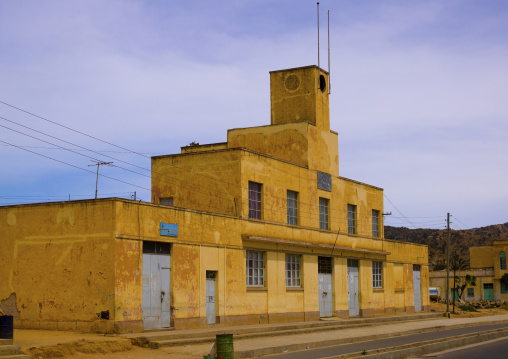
(419, 94)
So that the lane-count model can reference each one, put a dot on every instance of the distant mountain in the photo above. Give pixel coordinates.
(460, 240)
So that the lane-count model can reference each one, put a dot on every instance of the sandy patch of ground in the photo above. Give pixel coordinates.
(459, 313)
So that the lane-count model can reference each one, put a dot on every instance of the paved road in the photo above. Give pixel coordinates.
(385, 343)
(497, 349)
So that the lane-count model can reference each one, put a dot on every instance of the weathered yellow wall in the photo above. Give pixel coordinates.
(275, 302)
(481, 257)
(206, 181)
(60, 262)
(323, 151)
(295, 96)
(86, 257)
(288, 142)
(365, 197)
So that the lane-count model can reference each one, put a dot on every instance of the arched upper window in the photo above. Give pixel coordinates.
(502, 260)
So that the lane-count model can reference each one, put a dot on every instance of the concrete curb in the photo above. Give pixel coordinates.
(423, 348)
(332, 342)
(273, 329)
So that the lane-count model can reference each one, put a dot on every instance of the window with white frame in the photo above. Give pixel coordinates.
(351, 219)
(293, 273)
(292, 200)
(255, 269)
(255, 200)
(323, 213)
(375, 223)
(377, 274)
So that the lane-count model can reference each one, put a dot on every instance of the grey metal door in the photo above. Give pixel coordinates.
(156, 299)
(417, 288)
(352, 287)
(325, 294)
(325, 288)
(210, 297)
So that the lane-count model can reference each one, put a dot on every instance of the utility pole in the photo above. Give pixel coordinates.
(448, 265)
(99, 163)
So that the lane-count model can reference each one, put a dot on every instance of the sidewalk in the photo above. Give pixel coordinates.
(251, 347)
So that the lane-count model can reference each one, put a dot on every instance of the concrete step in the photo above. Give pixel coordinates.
(9, 350)
(6, 341)
(182, 337)
(12, 352)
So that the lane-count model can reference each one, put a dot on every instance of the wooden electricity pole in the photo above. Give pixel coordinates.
(448, 264)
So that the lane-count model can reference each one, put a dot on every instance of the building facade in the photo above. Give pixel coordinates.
(258, 229)
(488, 265)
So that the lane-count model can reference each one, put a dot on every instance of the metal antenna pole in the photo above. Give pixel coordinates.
(329, 82)
(318, 64)
(99, 163)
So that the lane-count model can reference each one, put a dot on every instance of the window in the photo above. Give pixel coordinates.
(293, 271)
(470, 292)
(377, 274)
(375, 223)
(167, 201)
(255, 200)
(502, 260)
(255, 269)
(323, 213)
(504, 288)
(156, 247)
(292, 197)
(325, 265)
(351, 219)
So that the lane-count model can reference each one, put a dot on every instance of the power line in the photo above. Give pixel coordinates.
(399, 211)
(71, 129)
(68, 164)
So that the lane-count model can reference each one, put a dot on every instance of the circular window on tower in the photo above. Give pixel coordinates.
(322, 83)
(292, 83)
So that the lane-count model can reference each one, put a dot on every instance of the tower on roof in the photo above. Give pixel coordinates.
(300, 95)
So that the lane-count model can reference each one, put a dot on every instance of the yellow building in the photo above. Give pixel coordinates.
(488, 265)
(258, 229)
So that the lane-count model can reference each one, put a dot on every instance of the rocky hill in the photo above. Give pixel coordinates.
(460, 240)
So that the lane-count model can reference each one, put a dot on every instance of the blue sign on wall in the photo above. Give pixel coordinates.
(169, 230)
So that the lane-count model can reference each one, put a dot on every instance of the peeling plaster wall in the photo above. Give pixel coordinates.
(60, 264)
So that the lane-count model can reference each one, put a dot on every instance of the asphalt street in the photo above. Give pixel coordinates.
(387, 343)
(495, 349)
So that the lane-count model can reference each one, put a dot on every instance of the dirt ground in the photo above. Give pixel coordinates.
(73, 345)
(441, 307)
(44, 344)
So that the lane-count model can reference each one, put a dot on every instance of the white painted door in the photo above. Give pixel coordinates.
(156, 283)
(325, 294)
(352, 287)
(210, 297)
(417, 288)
